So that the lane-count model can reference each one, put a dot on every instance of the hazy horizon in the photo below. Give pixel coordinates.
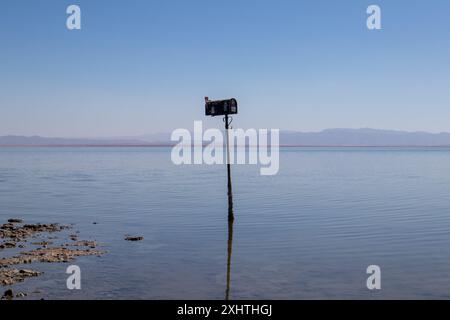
(167, 133)
(329, 137)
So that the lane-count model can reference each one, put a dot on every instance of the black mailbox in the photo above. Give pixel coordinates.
(220, 107)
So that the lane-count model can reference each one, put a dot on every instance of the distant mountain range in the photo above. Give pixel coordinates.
(329, 137)
(364, 137)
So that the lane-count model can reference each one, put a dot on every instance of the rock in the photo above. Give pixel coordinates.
(58, 254)
(134, 238)
(7, 226)
(84, 243)
(8, 292)
(15, 220)
(16, 236)
(42, 243)
(29, 273)
(7, 245)
(9, 230)
(21, 295)
(8, 295)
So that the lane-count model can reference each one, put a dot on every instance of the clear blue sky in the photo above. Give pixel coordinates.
(140, 67)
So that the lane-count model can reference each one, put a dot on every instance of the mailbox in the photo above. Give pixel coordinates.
(220, 107)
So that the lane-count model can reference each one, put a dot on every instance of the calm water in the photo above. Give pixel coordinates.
(308, 232)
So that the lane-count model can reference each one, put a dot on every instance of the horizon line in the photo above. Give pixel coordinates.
(137, 136)
(239, 146)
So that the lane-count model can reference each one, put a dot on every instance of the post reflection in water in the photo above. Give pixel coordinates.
(230, 239)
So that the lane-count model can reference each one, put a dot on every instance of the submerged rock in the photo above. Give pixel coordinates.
(134, 238)
(15, 234)
(8, 295)
(18, 233)
(84, 243)
(11, 276)
(15, 220)
(49, 255)
(42, 243)
(7, 245)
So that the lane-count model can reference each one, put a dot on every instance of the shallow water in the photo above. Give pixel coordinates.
(308, 232)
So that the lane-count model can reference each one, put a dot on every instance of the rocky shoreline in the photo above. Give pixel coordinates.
(16, 234)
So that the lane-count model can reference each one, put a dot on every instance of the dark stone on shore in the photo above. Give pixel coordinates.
(134, 238)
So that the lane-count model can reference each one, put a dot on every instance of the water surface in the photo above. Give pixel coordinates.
(308, 232)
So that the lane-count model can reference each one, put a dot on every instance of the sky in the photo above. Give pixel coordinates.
(141, 67)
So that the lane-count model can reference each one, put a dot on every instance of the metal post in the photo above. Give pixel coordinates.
(230, 191)
(230, 211)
